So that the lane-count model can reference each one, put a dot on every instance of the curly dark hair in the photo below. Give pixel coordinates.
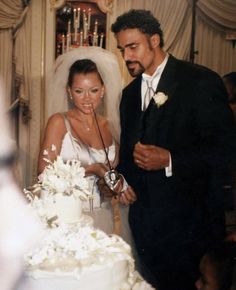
(143, 20)
(83, 66)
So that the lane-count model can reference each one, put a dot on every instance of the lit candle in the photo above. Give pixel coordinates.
(74, 17)
(89, 18)
(75, 34)
(84, 17)
(94, 39)
(78, 17)
(101, 40)
(96, 27)
(81, 38)
(67, 41)
(63, 43)
(85, 30)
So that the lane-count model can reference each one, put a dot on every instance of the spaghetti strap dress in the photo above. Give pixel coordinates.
(102, 213)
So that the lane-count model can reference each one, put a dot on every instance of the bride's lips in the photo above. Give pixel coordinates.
(87, 107)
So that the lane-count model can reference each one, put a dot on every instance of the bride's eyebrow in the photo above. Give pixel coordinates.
(80, 88)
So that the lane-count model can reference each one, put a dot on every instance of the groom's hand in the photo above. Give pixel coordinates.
(150, 157)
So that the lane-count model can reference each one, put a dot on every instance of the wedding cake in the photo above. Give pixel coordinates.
(73, 255)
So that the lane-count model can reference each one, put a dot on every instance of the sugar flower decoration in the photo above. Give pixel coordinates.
(53, 147)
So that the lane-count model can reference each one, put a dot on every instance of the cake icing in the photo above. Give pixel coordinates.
(67, 209)
(78, 255)
(73, 255)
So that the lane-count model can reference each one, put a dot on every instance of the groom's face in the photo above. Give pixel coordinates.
(137, 51)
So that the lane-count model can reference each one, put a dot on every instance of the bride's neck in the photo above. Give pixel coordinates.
(86, 120)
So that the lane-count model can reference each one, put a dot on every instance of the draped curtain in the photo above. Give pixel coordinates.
(214, 19)
(15, 69)
(14, 36)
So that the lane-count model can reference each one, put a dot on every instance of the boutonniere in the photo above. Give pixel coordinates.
(160, 98)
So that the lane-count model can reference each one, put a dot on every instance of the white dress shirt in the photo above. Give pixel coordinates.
(154, 80)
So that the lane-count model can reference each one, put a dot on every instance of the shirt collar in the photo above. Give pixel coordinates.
(157, 72)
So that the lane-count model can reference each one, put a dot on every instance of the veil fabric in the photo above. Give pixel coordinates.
(108, 67)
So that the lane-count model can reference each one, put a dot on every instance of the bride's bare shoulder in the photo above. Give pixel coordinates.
(56, 120)
(57, 117)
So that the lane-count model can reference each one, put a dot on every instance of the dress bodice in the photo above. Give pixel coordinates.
(73, 148)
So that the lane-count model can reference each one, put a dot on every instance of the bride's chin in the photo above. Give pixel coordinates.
(87, 111)
(87, 108)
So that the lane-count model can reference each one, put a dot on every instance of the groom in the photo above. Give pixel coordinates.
(177, 143)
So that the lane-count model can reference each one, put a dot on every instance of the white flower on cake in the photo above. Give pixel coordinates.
(85, 245)
(160, 98)
(53, 147)
(56, 198)
(67, 178)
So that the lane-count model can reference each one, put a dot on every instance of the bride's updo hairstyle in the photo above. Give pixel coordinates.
(82, 66)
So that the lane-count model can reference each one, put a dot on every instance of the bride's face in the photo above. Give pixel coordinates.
(87, 91)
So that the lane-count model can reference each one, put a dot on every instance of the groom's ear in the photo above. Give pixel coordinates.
(155, 40)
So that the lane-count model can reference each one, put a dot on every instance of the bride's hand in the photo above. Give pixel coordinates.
(128, 196)
(98, 169)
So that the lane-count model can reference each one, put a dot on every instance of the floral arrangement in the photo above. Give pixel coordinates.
(66, 178)
(160, 98)
(62, 177)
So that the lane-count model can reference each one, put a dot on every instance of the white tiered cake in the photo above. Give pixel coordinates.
(74, 255)
(79, 257)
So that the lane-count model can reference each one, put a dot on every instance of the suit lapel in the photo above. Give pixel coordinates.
(135, 113)
(153, 116)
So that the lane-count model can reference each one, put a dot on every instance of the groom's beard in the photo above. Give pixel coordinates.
(136, 70)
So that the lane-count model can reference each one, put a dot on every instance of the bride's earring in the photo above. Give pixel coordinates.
(102, 93)
(70, 96)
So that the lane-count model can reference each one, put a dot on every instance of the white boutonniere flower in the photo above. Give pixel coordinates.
(160, 99)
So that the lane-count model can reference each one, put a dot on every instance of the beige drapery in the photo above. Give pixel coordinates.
(13, 29)
(175, 19)
(15, 25)
(214, 18)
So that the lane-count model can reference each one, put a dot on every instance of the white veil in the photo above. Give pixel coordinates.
(108, 68)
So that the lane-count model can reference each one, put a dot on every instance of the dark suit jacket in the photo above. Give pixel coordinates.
(196, 125)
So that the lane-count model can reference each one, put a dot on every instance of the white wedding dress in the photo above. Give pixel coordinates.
(102, 212)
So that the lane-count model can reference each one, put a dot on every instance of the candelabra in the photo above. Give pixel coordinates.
(82, 29)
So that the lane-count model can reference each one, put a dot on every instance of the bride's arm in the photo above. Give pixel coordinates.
(98, 169)
(52, 141)
(116, 159)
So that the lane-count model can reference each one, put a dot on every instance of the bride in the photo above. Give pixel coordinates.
(84, 97)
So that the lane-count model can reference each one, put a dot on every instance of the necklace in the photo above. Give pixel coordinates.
(86, 126)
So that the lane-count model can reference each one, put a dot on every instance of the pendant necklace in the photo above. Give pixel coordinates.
(86, 126)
